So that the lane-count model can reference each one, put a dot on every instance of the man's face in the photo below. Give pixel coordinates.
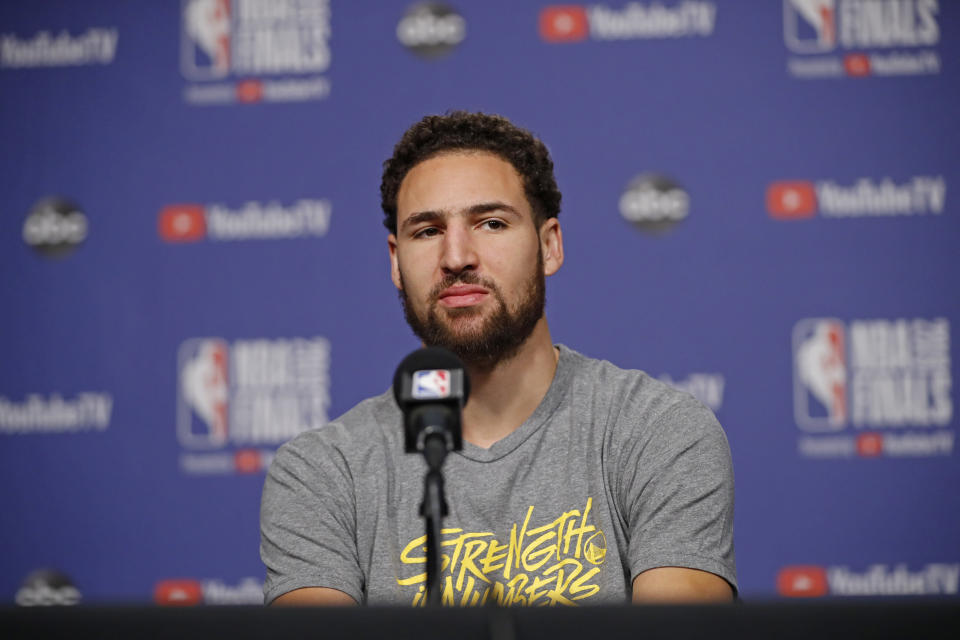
(468, 258)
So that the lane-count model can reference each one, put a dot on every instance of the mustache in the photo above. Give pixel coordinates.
(464, 277)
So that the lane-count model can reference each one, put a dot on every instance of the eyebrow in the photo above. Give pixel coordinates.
(476, 209)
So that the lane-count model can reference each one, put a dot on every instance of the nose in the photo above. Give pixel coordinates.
(459, 251)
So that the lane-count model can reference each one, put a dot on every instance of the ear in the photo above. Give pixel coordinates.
(551, 244)
(394, 264)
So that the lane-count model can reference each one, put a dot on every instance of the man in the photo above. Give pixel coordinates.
(578, 482)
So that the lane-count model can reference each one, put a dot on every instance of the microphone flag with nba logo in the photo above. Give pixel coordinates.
(431, 387)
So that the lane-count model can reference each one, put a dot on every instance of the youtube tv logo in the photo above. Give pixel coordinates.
(248, 461)
(857, 65)
(182, 223)
(566, 23)
(249, 91)
(178, 593)
(802, 582)
(791, 200)
(869, 445)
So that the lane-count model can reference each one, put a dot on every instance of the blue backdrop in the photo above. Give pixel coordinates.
(193, 266)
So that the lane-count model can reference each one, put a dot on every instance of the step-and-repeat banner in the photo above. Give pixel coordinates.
(757, 209)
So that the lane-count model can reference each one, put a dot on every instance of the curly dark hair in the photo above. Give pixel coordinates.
(464, 131)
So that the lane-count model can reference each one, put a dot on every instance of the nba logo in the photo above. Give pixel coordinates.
(203, 393)
(810, 26)
(205, 41)
(431, 384)
(820, 374)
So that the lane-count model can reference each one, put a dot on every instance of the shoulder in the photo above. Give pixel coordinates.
(374, 423)
(629, 391)
(634, 405)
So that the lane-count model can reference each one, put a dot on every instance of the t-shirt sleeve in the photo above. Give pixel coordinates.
(678, 494)
(308, 520)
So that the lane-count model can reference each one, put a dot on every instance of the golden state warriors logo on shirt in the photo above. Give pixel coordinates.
(543, 561)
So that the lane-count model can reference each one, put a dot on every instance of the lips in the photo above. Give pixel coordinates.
(462, 295)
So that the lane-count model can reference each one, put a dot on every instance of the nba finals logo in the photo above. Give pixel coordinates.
(251, 51)
(861, 38)
(873, 387)
(238, 401)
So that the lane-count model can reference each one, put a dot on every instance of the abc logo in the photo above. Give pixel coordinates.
(431, 29)
(55, 227)
(47, 587)
(654, 203)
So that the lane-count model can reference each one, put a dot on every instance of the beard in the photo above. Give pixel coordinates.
(497, 338)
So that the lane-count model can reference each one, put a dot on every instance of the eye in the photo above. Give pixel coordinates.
(494, 225)
(427, 232)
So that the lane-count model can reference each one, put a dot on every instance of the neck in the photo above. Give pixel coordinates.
(503, 397)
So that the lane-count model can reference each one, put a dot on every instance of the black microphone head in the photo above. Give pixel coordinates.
(428, 358)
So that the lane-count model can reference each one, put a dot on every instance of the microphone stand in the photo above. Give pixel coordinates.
(433, 509)
(431, 387)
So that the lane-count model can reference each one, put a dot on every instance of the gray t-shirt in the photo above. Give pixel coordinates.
(613, 474)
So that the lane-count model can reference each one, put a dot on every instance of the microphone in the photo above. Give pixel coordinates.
(430, 387)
